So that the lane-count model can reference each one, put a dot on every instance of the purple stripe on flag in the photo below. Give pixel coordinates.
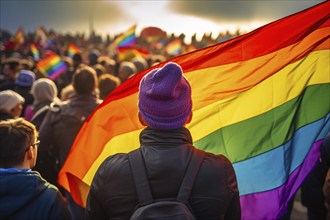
(61, 69)
(254, 206)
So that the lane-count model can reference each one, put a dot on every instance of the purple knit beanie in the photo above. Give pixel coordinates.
(165, 97)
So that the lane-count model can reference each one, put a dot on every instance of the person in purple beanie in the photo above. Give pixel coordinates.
(167, 151)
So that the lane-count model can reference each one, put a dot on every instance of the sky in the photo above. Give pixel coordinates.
(174, 16)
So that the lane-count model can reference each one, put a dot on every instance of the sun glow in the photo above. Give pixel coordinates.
(158, 14)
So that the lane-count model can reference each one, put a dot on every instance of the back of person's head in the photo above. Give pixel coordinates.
(25, 78)
(68, 61)
(76, 60)
(10, 67)
(93, 56)
(99, 69)
(26, 64)
(84, 80)
(67, 92)
(165, 98)
(10, 102)
(107, 83)
(43, 90)
(140, 63)
(125, 70)
(16, 136)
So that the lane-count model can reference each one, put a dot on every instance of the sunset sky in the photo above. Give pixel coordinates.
(176, 16)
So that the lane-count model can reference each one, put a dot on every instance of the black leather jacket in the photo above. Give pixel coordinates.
(166, 153)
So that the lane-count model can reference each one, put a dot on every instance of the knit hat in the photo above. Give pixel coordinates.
(9, 99)
(44, 89)
(165, 97)
(25, 78)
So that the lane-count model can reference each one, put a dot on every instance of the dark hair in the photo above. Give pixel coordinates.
(15, 137)
(84, 80)
(107, 83)
(13, 64)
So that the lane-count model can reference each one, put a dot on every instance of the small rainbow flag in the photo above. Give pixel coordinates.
(261, 99)
(35, 52)
(126, 39)
(127, 53)
(52, 66)
(174, 47)
(73, 49)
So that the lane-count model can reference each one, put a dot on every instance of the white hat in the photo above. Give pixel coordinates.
(9, 99)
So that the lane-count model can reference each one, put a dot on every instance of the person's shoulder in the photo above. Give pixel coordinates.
(219, 158)
(217, 163)
(116, 160)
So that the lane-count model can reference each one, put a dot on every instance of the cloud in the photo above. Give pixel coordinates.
(239, 11)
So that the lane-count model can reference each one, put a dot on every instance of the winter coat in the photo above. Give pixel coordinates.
(166, 154)
(58, 131)
(24, 194)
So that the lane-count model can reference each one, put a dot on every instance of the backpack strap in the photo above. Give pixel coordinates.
(140, 177)
(141, 180)
(190, 176)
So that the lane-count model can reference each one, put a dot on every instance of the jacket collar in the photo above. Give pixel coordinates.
(151, 136)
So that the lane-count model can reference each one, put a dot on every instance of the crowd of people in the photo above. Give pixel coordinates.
(35, 108)
(54, 110)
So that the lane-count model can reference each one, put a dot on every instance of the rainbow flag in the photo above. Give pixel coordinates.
(126, 39)
(15, 42)
(19, 37)
(261, 99)
(52, 66)
(174, 47)
(73, 49)
(127, 53)
(35, 52)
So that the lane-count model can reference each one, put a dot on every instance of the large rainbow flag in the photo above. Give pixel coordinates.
(261, 99)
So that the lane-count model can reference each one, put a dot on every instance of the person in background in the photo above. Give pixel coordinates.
(9, 68)
(126, 69)
(11, 104)
(165, 107)
(107, 83)
(61, 125)
(140, 64)
(23, 85)
(44, 92)
(24, 194)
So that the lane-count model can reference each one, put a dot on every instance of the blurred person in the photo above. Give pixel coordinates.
(107, 83)
(11, 104)
(66, 78)
(44, 92)
(61, 125)
(126, 69)
(165, 107)
(140, 63)
(325, 153)
(67, 92)
(24, 194)
(23, 85)
(99, 69)
(93, 56)
(76, 61)
(26, 64)
(9, 68)
(109, 64)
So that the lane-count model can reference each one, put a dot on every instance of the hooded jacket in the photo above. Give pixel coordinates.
(166, 155)
(25, 195)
